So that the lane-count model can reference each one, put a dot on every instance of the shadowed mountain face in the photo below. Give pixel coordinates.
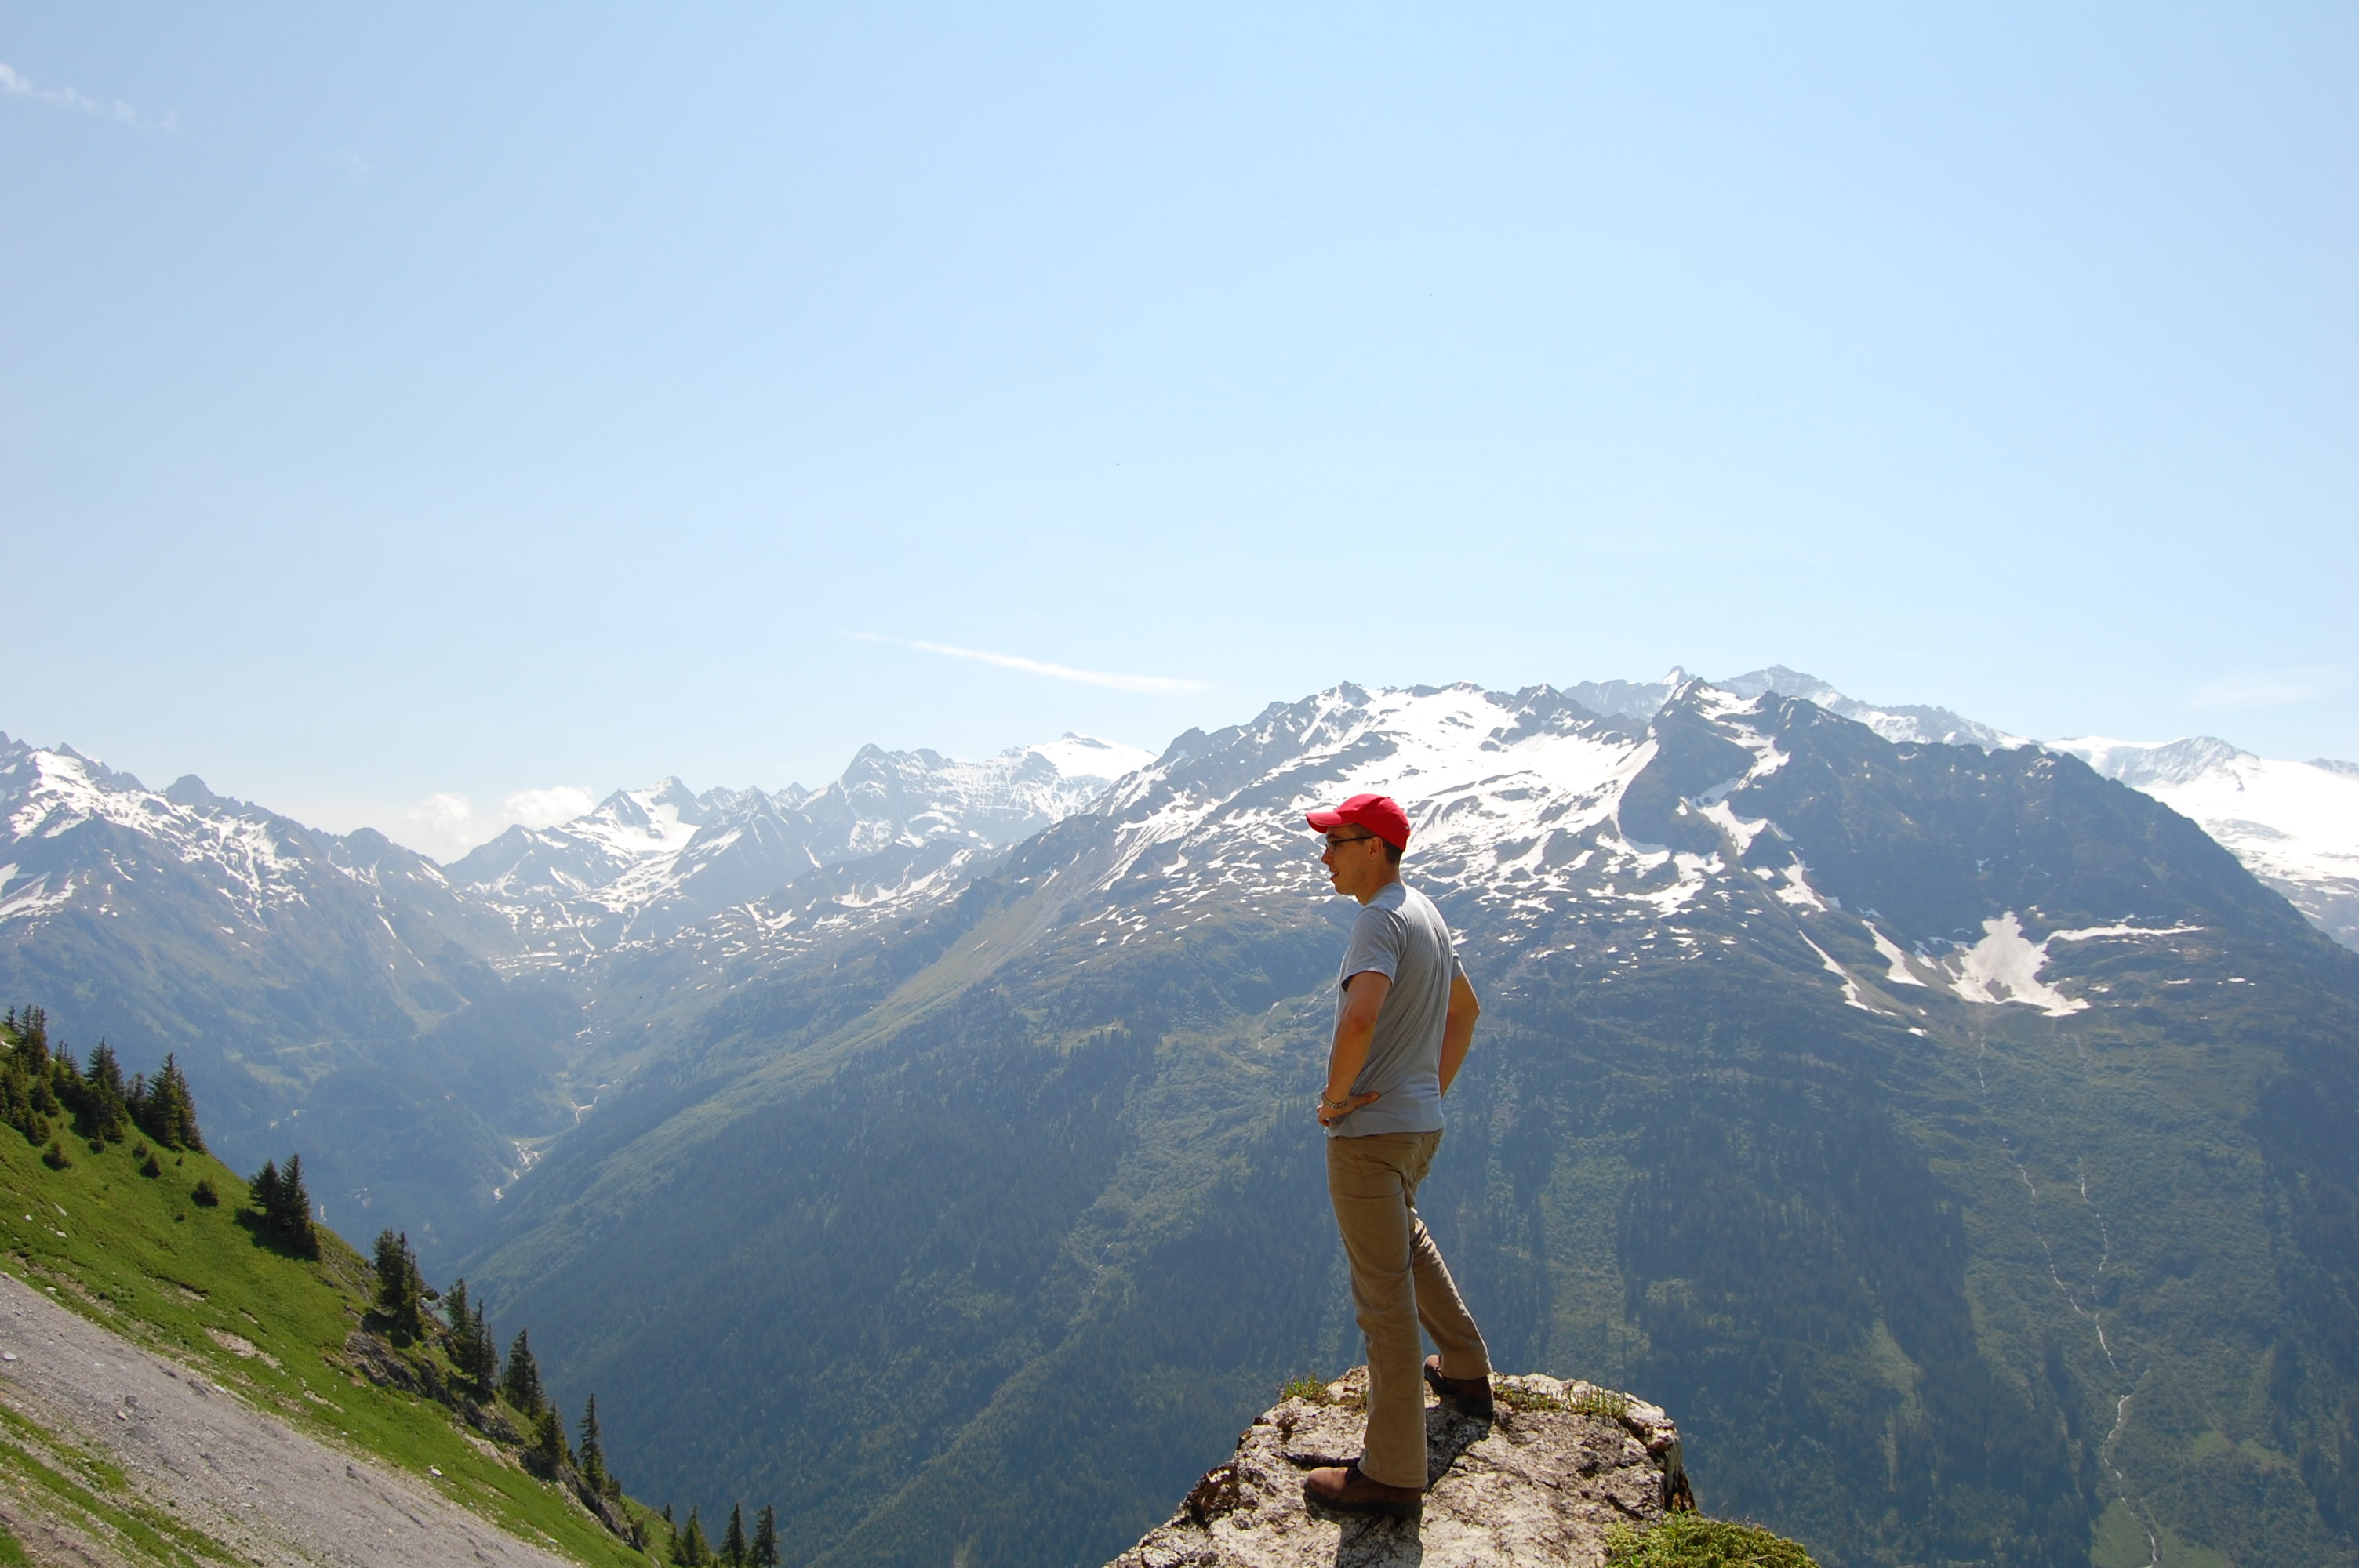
(1957, 1143)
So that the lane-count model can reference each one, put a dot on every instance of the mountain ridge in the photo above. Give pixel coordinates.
(1740, 916)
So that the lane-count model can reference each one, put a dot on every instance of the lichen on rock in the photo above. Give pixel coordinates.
(1541, 1481)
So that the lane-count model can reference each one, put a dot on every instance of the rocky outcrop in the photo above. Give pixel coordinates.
(368, 1356)
(1540, 1482)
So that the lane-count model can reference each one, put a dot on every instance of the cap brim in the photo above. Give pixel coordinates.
(1325, 820)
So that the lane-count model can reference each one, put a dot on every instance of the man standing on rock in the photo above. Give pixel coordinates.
(1403, 1024)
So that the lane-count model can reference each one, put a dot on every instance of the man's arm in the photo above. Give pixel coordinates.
(1363, 996)
(1457, 1029)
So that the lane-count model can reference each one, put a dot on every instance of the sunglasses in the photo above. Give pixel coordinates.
(1329, 841)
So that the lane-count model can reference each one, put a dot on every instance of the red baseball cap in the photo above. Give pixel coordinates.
(1379, 813)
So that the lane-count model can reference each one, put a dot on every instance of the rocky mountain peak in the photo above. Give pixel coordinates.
(1785, 682)
(1540, 1482)
(190, 791)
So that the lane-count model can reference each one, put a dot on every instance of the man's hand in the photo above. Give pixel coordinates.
(1364, 997)
(1328, 1115)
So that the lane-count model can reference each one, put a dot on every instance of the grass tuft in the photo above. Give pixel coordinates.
(1306, 1388)
(1515, 1397)
(1691, 1540)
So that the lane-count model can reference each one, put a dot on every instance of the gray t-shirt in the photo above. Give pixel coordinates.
(1400, 934)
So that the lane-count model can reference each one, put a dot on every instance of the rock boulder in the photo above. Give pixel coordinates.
(1538, 1483)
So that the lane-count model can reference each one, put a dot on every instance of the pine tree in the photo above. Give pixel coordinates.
(689, 1547)
(594, 1452)
(521, 1387)
(398, 1287)
(102, 1112)
(472, 1354)
(732, 1539)
(485, 1368)
(766, 1537)
(164, 1108)
(549, 1439)
(25, 1100)
(262, 1187)
(462, 1325)
(286, 1208)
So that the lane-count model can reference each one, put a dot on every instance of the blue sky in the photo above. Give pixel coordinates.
(418, 401)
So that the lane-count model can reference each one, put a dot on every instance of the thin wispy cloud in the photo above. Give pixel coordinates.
(16, 84)
(1165, 686)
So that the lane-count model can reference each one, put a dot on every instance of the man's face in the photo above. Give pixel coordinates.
(1355, 862)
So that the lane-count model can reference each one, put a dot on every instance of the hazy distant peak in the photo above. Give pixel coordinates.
(189, 789)
(645, 861)
(2143, 762)
(1785, 682)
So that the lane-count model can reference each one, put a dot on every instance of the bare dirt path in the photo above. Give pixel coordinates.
(196, 1454)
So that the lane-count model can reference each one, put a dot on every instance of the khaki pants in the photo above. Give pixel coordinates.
(1398, 1282)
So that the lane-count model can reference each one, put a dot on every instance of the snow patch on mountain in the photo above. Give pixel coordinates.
(1851, 994)
(2005, 966)
(1896, 962)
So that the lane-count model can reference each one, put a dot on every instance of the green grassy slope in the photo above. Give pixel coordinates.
(138, 1255)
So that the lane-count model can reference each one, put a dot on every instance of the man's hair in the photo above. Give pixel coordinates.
(1392, 855)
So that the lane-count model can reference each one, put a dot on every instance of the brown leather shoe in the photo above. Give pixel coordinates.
(1467, 1396)
(1341, 1488)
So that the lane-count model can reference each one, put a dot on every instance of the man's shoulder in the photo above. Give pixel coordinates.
(1400, 914)
(1416, 905)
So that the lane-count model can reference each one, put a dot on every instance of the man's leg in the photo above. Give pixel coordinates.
(1438, 1306)
(1370, 1189)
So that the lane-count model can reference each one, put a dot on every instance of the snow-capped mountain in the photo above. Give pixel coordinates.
(1936, 726)
(1556, 834)
(647, 864)
(77, 836)
(2295, 824)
